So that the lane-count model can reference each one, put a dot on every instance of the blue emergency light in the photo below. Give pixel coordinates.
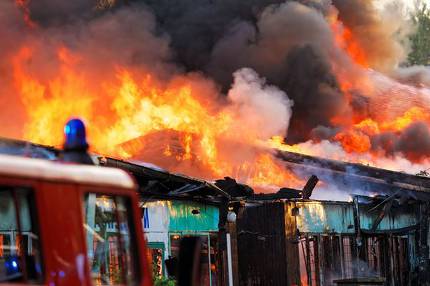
(11, 265)
(75, 135)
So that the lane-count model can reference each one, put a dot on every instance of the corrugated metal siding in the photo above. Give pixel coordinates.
(261, 245)
(324, 217)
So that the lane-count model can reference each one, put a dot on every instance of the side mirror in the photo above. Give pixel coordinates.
(188, 268)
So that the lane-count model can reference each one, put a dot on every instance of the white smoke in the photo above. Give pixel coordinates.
(334, 151)
(258, 106)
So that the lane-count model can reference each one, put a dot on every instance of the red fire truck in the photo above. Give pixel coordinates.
(67, 224)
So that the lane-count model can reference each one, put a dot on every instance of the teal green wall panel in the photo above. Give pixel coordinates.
(183, 219)
(395, 220)
(324, 217)
(338, 217)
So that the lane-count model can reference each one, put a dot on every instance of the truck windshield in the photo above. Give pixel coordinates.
(20, 259)
(111, 247)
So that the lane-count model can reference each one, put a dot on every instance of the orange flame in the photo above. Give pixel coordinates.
(344, 38)
(356, 138)
(357, 130)
(135, 115)
(354, 141)
(178, 125)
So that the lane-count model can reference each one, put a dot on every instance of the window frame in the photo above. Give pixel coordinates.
(158, 245)
(135, 251)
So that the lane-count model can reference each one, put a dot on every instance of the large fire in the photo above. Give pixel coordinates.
(184, 125)
(123, 112)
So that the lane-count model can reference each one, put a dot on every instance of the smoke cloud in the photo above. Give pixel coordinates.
(379, 34)
(260, 107)
(11, 26)
(291, 49)
(98, 46)
(238, 57)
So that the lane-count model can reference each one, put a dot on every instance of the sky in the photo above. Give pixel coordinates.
(408, 3)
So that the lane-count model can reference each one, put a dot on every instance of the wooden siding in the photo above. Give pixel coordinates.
(261, 245)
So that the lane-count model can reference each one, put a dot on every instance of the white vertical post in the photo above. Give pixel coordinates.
(229, 263)
(209, 257)
(91, 222)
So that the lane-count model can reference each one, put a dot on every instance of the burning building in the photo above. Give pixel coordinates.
(284, 238)
(226, 88)
(376, 239)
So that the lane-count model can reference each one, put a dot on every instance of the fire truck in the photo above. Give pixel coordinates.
(69, 223)
(66, 224)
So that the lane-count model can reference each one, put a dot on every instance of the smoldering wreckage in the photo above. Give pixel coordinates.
(285, 238)
(276, 97)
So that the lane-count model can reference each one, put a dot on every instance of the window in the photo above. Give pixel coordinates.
(156, 256)
(111, 245)
(20, 258)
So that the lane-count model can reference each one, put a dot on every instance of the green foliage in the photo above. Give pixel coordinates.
(420, 53)
(162, 281)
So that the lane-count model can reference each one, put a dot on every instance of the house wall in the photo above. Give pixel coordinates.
(165, 222)
(338, 217)
(321, 241)
(331, 248)
(163, 217)
(261, 245)
(323, 217)
(183, 220)
(156, 221)
(393, 220)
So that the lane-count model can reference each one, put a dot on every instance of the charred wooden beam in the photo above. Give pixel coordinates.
(353, 169)
(310, 185)
(347, 175)
(175, 181)
(385, 210)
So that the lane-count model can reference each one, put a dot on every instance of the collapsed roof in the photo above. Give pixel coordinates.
(155, 181)
(353, 176)
(27, 149)
(158, 183)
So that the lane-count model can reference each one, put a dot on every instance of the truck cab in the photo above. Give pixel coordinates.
(69, 224)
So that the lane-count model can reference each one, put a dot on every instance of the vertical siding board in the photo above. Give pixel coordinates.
(292, 246)
(260, 248)
(268, 247)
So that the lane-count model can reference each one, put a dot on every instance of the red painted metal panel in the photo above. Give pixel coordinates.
(60, 219)
(62, 230)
